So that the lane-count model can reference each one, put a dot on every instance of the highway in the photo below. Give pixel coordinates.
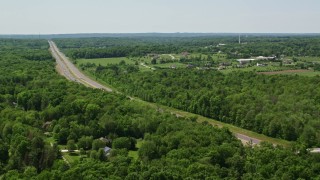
(71, 72)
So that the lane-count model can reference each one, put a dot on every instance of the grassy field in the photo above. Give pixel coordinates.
(133, 154)
(71, 157)
(139, 143)
(105, 61)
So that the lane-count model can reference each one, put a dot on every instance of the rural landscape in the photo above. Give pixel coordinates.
(159, 90)
(129, 107)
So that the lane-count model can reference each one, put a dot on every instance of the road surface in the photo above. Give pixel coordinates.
(70, 71)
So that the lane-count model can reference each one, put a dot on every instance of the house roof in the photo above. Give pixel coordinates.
(106, 149)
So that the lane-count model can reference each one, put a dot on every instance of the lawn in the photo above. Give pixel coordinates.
(71, 157)
(134, 154)
(139, 143)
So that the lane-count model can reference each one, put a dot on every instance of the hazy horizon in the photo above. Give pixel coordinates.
(115, 33)
(158, 16)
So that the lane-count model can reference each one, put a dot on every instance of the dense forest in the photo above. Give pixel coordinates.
(279, 106)
(252, 45)
(36, 104)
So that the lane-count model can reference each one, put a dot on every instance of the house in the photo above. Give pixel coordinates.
(245, 61)
(106, 150)
(259, 58)
(265, 58)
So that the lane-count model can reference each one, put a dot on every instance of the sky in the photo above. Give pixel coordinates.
(165, 16)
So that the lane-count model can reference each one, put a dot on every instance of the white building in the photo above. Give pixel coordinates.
(245, 61)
